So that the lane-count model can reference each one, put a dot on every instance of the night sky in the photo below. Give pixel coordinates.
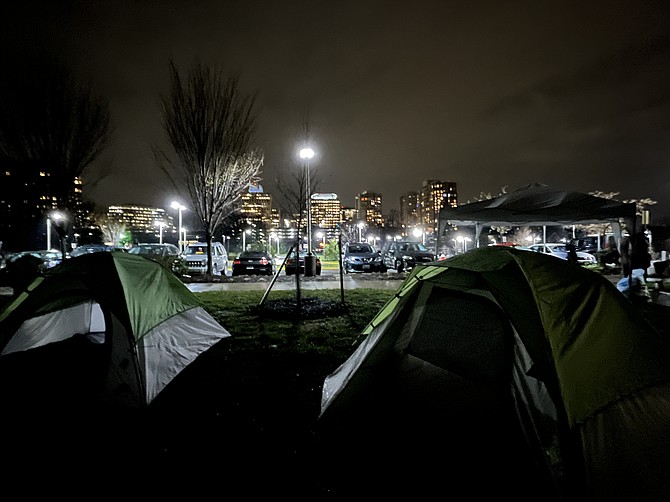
(573, 94)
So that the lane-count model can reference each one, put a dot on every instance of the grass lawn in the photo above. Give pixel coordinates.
(242, 421)
(335, 333)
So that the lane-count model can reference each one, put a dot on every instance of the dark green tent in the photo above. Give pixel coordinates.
(131, 315)
(588, 378)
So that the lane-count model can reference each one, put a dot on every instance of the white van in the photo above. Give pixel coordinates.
(195, 256)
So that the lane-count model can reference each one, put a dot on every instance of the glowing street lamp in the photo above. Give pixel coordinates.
(48, 233)
(180, 207)
(244, 240)
(274, 235)
(59, 221)
(308, 153)
(322, 236)
(360, 231)
(463, 241)
(160, 226)
(419, 232)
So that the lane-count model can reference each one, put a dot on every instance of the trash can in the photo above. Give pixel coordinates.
(310, 265)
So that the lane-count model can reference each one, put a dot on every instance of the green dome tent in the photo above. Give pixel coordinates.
(127, 319)
(502, 334)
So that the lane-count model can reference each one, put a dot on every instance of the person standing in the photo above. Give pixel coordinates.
(640, 257)
(572, 253)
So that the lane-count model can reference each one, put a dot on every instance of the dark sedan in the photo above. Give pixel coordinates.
(253, 263)
(290, 264)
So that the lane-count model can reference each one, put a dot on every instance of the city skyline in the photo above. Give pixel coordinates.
(488, 96)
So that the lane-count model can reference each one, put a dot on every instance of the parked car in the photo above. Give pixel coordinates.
(167, 255)
(45, 259)
(361, 257)
(290, 266)
(94, 248)
(195, 256)
(253, 263)
(405, 255)
(560, 250)
(587, 244)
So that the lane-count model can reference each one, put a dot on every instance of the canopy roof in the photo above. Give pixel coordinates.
(538, 204)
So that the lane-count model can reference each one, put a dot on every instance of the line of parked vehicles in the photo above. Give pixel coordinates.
(192, 261)
(357, 257)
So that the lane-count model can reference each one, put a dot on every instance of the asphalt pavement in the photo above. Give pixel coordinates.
(331, 280)
(284, 283)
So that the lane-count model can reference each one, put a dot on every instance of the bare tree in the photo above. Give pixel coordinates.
(210, 124)
(640, 209)
(49, 121)
(111, 229)
(292, 187)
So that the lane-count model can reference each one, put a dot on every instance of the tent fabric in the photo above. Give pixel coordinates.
(540, 205)
(588, 373)
(151, 324)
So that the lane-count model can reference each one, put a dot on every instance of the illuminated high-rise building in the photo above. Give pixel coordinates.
(369, 209)
(435, 195)
(27, 196)
(326, 214)
(410, 210)
(256, 207)
(143, 221)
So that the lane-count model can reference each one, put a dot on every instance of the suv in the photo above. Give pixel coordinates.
(195, 256)
(405, 255)
(361, 257)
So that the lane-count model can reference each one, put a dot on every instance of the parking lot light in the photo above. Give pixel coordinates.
(180, 208)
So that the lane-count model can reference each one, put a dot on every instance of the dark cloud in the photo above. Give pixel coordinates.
(486, 94)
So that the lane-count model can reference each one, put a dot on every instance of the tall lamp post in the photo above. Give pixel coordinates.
(310, 262)
(419, 232)
(244, 238)
(274, 235)
(160, 226)
(360, 231)
(180, 208)
(48, 233)
(60, 222)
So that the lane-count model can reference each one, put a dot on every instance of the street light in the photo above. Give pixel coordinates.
(274, 235)
(464, 241)
(60, 222)
(244, 240)
(160, 226)
(180, 207)
(48, 233)
(419, 232)
(310, 262)
(360, 231)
